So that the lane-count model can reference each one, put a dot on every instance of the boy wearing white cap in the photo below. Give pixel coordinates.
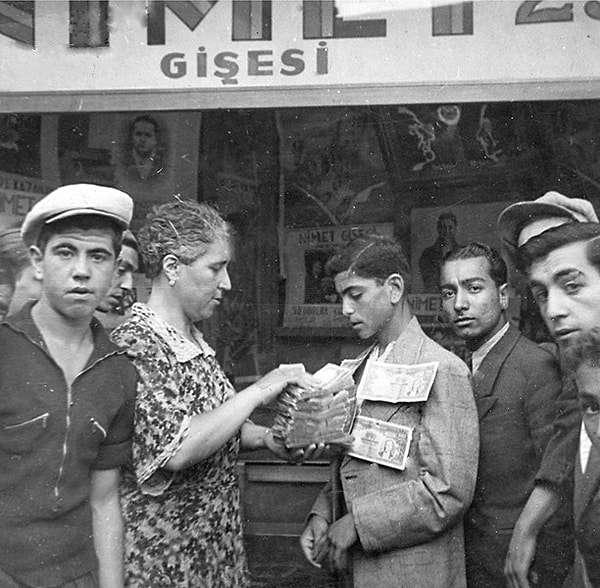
(66, 401)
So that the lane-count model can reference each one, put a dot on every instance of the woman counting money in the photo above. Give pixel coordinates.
(181, 499)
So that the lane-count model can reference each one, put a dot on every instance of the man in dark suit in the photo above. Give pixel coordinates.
(563, 268)
(516, 384)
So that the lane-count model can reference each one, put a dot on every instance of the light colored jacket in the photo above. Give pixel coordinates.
(409, 522)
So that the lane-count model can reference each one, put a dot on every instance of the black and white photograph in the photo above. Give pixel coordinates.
(210, 207)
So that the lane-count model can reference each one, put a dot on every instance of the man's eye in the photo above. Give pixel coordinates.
(572, 287)
(474, 289)
(539, 295)
(447, 294)
(98, 257)
(64, 253)
(590, 408)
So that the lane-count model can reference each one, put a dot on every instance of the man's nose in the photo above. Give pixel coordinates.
(81, 268)
(127, 281)
(555, 306)
(461, 300)
(347, 308)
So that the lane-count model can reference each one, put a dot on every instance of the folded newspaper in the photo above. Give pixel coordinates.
(325, 415)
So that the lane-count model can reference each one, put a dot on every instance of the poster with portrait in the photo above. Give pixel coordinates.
(151, 156)
(310, 296)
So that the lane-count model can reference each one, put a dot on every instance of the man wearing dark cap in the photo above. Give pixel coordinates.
(66, 401)
(567, 288)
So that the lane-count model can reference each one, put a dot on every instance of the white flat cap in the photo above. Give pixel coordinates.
(74, 200)
(522, 221)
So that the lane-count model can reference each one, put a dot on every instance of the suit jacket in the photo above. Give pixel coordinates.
(409, 522)
(515, 387)
(586, 503)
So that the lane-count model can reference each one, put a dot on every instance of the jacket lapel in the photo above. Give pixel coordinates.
(406, 351)
(485, 377)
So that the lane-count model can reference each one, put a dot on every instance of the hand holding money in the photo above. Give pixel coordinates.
(322, 415)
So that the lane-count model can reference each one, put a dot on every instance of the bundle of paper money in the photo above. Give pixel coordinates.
(324, 415)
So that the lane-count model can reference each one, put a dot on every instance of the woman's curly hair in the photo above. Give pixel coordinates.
(183, 228)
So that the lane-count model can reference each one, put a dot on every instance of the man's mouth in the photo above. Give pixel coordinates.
(80, 291)
(463, 321)
(565, 333)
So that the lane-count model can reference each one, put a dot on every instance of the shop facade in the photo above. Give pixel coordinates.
(306, 122)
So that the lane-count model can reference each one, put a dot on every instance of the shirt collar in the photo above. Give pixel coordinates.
(23, 322)
(182, 347)
(480, 353)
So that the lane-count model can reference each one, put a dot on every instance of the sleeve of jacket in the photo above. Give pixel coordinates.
(540, 398)
(559, 457)
(425, 505)
(322, 505)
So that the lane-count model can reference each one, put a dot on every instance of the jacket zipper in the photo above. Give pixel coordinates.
(63, 460)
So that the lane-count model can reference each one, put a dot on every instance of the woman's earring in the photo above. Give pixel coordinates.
(171, 282)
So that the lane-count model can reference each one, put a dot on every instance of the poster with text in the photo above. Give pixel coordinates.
(18, 194)
(310, 297)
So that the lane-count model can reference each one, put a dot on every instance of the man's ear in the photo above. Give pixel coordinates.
(395, 283)
(503, 296)
(170, 265)
(36, 257)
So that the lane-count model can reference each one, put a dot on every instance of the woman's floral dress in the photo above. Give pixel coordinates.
(182, 528)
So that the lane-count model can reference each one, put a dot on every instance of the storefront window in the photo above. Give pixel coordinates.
(297, 182)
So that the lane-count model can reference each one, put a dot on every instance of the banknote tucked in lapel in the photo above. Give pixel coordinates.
(393, 382)
(381, 442)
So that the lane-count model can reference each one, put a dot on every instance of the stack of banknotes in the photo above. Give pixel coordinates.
(323, 415)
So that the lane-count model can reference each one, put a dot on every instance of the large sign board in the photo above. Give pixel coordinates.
(245, 48)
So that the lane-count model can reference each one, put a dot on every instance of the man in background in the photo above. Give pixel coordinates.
(516, 384)
(121, 295)
(27, 285)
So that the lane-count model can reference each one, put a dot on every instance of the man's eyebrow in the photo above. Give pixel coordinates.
(353, 287)
(567, 272)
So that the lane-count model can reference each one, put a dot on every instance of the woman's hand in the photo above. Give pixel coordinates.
(272, 384)
(296, 455)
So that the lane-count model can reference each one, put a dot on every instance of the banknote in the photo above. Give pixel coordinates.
(393, 382)
(381, 442)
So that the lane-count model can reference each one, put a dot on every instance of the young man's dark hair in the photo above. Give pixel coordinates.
(371, 256)
(498, 269)
(540, 246)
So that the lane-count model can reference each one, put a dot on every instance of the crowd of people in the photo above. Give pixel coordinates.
(118, 446)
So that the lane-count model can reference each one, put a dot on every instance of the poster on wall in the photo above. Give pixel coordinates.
(151, 156)
(18, 194)
(332, 165)
(438, 230)
(310, 296)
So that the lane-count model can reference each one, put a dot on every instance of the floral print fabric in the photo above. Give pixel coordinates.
(183, 528)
